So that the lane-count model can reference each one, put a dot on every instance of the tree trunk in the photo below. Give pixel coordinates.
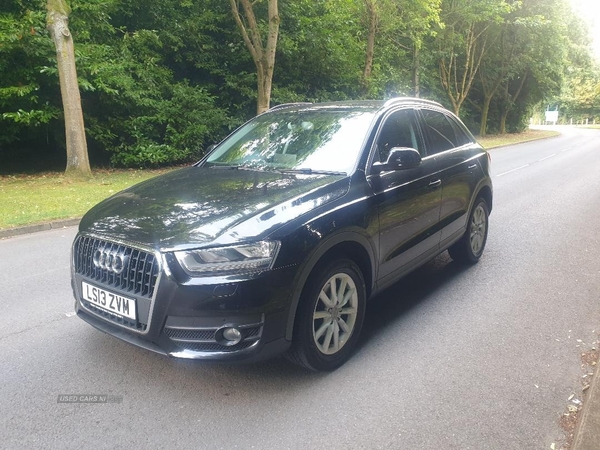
(416, 69)
(264, 91)
(503, 121)
(57, 22)
(372, 30)
(269, 62)
(263, 56)
(484, 116)
(510, 99)
(457, 81)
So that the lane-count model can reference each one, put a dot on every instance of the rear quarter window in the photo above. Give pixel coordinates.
(440, 132)
(463, 137)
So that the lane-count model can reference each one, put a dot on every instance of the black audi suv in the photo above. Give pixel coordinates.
(276, 239)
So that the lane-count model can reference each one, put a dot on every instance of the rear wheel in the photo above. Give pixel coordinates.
(470, 247)
(330, 316)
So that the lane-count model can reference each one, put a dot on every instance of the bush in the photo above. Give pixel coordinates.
(173, 130)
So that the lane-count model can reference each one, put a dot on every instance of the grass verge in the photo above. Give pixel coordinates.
(29, 199)
(499, 140)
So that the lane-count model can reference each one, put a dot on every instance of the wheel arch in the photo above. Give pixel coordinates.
(348, 244)
(484, 192)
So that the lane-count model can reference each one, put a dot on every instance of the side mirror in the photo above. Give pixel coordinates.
(400, 158)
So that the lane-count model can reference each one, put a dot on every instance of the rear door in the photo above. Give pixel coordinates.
(457, 156)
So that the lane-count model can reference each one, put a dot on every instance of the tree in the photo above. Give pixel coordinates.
(372, 13)
(397, 28)
(422, 16)
(320, 52)
(463, 43)
(580, 96)
(28, 106)
(538, 34)
(263, 55)
(493, 71)
(510, 93)
(405, 24)
(78, 163)
(160, 81)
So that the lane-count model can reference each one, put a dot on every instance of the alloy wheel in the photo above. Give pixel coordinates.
(478, 229)
(335, 314)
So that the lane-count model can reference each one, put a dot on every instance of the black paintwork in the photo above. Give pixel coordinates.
(390, 221)
(196, 206)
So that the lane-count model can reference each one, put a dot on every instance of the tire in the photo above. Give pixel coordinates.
(327, 326)
(471, 245)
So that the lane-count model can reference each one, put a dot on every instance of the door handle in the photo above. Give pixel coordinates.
(435, 183)
(472, 166)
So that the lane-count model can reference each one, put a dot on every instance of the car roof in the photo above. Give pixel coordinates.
(355, 105)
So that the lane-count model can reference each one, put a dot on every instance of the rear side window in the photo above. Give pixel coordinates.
(463, 137)
(439, 130)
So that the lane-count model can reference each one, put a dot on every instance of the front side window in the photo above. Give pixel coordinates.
(327, 140)
(399, 130)
(441, 136)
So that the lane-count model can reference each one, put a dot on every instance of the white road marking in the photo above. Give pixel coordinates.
(513, 170)
(70, 314)
(547, 157)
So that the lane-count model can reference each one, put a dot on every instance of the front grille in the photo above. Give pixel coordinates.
(251, 332)
(138, 277)
(196, 335)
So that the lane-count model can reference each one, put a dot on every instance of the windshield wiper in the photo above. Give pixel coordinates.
(304, 171)
(308, 171)
(225, 166)
(237, 167)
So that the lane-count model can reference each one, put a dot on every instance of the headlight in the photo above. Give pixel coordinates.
(244, 259)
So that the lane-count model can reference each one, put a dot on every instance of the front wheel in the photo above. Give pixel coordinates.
(470, 247)
(330, 316)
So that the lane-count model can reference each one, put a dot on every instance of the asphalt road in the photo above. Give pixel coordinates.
(452, 358)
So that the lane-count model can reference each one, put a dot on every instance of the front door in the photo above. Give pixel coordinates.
(408, 200)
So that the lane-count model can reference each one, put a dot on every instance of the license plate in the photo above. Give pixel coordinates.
(109, 301)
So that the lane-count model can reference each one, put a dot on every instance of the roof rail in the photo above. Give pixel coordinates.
(288, 105)
(393, 101)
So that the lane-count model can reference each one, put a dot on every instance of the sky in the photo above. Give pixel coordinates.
(590, 11)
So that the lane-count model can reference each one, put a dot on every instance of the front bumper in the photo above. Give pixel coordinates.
(184, 316)
(256, 352)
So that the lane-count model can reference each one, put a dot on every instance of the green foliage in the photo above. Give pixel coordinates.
(175, 129)
(320, 52)
(161, 80)
(580, 97)
(25, 49)
(158, 116)
(29, 118)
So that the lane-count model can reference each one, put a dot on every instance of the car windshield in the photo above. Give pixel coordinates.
(311, 140)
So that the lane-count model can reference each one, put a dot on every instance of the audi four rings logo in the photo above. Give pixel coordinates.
(111, 260)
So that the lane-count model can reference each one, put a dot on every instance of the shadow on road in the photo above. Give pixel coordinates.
(396, 301)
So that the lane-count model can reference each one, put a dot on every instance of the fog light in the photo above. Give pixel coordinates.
(231, 336)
